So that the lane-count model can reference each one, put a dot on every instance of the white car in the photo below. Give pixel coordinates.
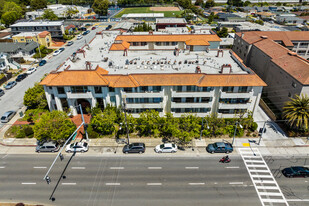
(166, 148)
(77, 147)
(56, 52)
(79, 37)
(31, 70)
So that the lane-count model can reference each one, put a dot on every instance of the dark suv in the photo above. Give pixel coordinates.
(220, 147)
(134, 148)
(21, 77)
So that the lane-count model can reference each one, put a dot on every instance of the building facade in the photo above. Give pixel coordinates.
(55, 28)
(162, 23)
(43, 38)
(226, 95)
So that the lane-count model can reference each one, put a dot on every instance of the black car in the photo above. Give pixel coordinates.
(86, 32)
(1, 92)
(296, 171)
(220, 147)
(134, 148)
(42, 63)
(21, 77)
(108, 27)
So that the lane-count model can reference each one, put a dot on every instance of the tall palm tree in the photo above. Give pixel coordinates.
(296, 112)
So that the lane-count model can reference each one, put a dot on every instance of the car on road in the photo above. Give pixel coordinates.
(1, 92)
(79, 37)
(70, 43)
(62, 49)
(297, 171)
(108, 27)
(86, 32)
(166, 148)
(56, 52)
(220, 147)
(31, 70)
(42, 62)
(10, 85)
(77, 147)
(94, 27)
(48, 147)
(6, 117)
(21, 77)
(134, 148)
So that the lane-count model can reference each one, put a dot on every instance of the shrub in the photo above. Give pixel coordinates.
(22, 131)
(253, 127)
(91, 133)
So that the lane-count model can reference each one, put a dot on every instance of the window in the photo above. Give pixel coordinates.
(143, 89)
(205, 99)
(113, 99)
(207, 89)
(242, 89)
(111, 89)
(176, 99)
(301, 52)
(135, 43)
(303, 45)
(157, 100)
(64, 104)
(176, 110)
(156, 88)
(158, 43)
(128, 89)
(79, 89)
(130, 100)
(294, 85)
(178, 88)
(234, 100)
(100, 103)
(53, 96)
(60, 90)
(143, 43)
(191, 88)
(98, 90)
(174, 43)
(190, 99)
(228, 89)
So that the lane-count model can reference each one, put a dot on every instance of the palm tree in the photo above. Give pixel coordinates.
(296, 112)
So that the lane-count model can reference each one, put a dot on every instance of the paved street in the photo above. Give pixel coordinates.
(13, 98)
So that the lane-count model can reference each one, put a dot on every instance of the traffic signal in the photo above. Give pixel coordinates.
(47, 179)
(61, 156)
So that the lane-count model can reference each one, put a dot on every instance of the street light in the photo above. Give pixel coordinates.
(203, 127)
(37, 42)
(125, 117)
(264, 129)
(237, 123)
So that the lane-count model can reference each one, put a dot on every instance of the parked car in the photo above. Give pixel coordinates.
(108, 27)
(82, 29)
(297, 171)
(166, 148)
(93, 28)
(61, 49)
(47, 147)
(86, 32)
(21, 77)
(1, 92)
(219, 147)
(31, 70)
(6, 117)
(79, 37)
(70, 43)
(77, 147)
(10, 85)
(134, 148)
(42, 63)
(56, 52)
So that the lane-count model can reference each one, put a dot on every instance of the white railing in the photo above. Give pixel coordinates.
(234, 106)
(190, 105)
(142, 95)
(193, 94)
(236, 94)
(85, 95)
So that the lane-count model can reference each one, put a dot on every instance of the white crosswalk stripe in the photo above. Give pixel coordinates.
(265, 184)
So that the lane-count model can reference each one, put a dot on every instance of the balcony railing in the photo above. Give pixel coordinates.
(233, 105)
(193, 94)
(144, 105)
(85, 95)
(142, 95)
(190, 104)
(236, 94)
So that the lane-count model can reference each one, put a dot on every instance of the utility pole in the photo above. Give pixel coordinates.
(125, 118)
(237, 123)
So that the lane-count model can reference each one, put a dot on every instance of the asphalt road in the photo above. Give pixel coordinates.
(13, 98)
(127, 180)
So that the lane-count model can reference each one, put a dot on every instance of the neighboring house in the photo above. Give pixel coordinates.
(230, 17)
(288, 19)
(4, 63)
(162, 23)
(272, 55)
(143, 16)
(192, 42)
(55, 28)
(5, 35)
(23, 49)
(43, 38)
(70, 28)
(266, 15)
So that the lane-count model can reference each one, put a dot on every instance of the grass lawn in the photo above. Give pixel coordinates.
(147, 10)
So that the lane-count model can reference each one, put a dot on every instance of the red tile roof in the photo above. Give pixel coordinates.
(43, 34)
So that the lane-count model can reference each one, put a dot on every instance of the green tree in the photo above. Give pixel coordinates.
(278, 4)
(35, 97)
(12, 7)
(210, 3)
(70, 12)
(104, 122)
(49, 14)
(170, 126)
(247, 3)
(9, 18)
(100, 7)
(38, 4)
(223, 32)
(55, 126)
(149, 123)
(296, 112)
(199, 2)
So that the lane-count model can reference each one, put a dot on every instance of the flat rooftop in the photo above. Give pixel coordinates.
(171, 20)
(38, 23)
(142, 15)
(156, 61)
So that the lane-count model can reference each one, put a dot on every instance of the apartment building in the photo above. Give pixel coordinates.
(43, 38)
(55, 28)
(279, 58)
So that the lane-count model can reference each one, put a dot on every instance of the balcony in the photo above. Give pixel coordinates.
(142, 95)
(86, 95)
(144, 105)
(221, 115)
(197, 114)
(193, 94)
(190, 105)
(236, 94)
(234, 106)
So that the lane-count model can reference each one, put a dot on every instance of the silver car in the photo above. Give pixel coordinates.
(6, 117)
(10, 85)
(77, 147)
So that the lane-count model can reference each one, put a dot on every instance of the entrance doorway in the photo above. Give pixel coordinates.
(85, 104)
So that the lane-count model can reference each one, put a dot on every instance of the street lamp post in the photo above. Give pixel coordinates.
(202, 128)
(125, 117)
(237, 123)
(37, 42)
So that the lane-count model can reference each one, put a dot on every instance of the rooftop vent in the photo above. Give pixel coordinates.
(264, 37)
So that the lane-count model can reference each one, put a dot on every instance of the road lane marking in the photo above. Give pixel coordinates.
(196, 183)
(264, 181)
(270, 193)
(4, 156)
(154, 168)
(192, 168)
(112, 183)
(267, 188)
(116, 168)
(298, 200)
(236, 183)
(2, 167)
(78, 168)
(154, 184)
(68, 183)
(28, 183)
(274, 200)
(39, 167)
(231, 167)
